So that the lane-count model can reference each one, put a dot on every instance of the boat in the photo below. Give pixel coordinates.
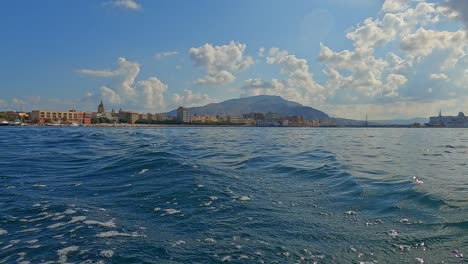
(53, 124)
(74, 124)
(4, 123)
(16, 123)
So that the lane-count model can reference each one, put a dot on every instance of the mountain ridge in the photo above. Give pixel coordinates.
(258, 104)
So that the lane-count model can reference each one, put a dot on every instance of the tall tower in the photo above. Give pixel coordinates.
(101, 109)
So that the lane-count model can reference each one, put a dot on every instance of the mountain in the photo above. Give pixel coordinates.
(259, 104)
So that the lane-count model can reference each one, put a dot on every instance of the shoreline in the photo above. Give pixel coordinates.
(243, 126)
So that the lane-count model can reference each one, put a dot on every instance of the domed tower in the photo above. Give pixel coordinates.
(101, 109)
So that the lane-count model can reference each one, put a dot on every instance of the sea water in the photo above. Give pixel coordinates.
(239, 195)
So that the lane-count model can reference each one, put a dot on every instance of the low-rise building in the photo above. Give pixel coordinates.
(128, 117)
(43, 116)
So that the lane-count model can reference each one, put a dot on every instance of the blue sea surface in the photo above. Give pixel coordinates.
(238, 195)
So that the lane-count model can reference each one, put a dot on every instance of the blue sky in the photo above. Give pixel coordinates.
(393, 59)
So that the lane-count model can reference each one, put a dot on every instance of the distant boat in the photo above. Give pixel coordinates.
(53, 124)
(17, 123)
(74, 124)
(4, 123)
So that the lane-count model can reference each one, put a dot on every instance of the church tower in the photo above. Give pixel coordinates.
(101, 109)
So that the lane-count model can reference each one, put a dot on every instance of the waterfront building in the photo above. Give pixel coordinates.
(203, 119)
(128, 117)
(183, 115)
(101, 109)
(449, 121)
(43, 116)
(235, 120)
(272, 116)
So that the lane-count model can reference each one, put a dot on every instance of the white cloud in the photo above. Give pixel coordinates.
(299, 76)
(98, 73)
(124, 75)
(221, 62)
(127, 4)
(423, 43)
(396, 5)
(161, 55)
(261, 52)
(439, 76)
(110, 95)
(190, 99)
(153, 93)
(123, 88)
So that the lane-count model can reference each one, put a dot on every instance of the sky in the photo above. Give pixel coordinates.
(388, 59)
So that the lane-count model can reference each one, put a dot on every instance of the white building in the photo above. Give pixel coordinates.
(449, 121)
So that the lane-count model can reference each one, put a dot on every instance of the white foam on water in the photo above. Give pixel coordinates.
(143, 171)
(58, 217)
(69, 212)
(34, 246)
(392, 233)
(39, 185)
(178, 242)
(77, 219)
(200, 185)
(419, 260)
(170, 211)
(35, 229)
(3, 231)
(207, 203)
(7, 246)
(106, 253)
(209, 240)
(33, 241)
(213, 198)
(115, 234)
(417, 180)
(226, 258)
(62, 253)
(56, 225)
(109, 224)
(350, 213)
(245, 198)
(157, 209)
(36, 205)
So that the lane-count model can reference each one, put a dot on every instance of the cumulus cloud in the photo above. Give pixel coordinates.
(190, 99)
(124, 89)
(220, 62)
(153, 92)
(299, 76)
(439, 76)
(127, 4)
(112, 96)
(161, 55)
(423, 43)
(124, 76)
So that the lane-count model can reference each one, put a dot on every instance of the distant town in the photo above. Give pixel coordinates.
(102, 117)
